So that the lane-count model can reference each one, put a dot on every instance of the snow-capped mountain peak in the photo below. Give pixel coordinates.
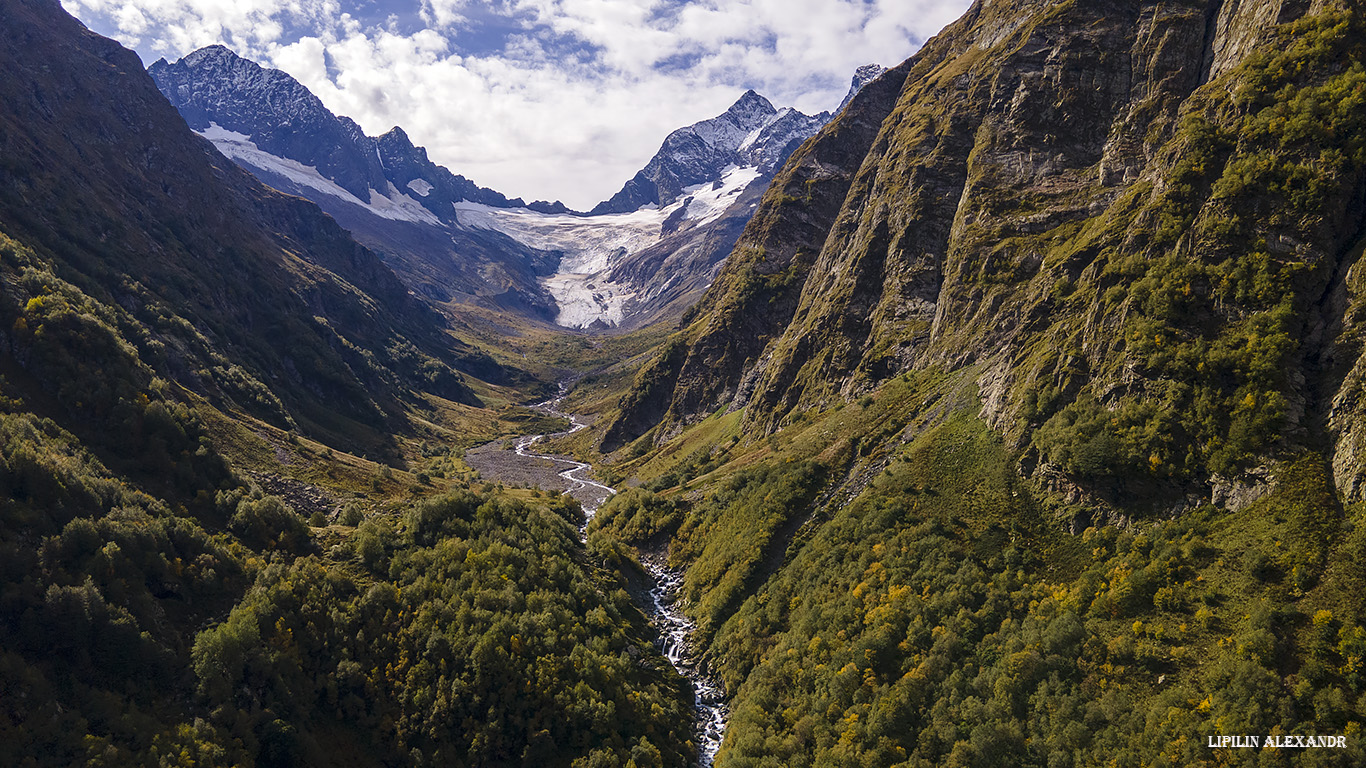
(209, 53)
(751, 132)
(749, 108)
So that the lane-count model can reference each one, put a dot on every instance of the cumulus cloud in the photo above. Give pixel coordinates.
(555, 99)
(443, 13)
(184, 25)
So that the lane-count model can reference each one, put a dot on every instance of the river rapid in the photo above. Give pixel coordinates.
(674, 628)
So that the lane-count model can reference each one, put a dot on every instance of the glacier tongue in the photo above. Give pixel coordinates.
(592, 245)
(583, 300)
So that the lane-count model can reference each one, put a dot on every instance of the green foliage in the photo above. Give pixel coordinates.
(479, 641)
(476, 637)
(99, 582)
(637, 516)
(351, 515)
(930, 623)
(251, 394)
(85, 356)
(265, 522)
(727, 537)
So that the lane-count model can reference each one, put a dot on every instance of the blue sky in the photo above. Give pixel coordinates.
(554, 99)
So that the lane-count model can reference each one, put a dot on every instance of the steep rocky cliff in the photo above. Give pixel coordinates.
(1135, 221)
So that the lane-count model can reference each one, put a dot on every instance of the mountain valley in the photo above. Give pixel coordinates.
(1009, 415)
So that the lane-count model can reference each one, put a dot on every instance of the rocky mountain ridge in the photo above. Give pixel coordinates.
(646, 254)
(215, 86)
(384, 190)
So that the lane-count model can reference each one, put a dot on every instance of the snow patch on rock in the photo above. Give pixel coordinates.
(217, 133)
(757, 132)
(708, 202)
(239, 148)
(400, 207)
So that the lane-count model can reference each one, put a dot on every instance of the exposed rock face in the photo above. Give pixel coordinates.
(1091, 203)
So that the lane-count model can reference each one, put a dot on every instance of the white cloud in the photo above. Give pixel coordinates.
(443, 13)
(570, 105)
(178, 25)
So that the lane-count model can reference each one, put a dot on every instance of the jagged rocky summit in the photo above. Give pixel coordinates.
(862, 77)
(752, 133)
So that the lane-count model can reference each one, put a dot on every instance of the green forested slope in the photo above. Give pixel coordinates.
(156, 609)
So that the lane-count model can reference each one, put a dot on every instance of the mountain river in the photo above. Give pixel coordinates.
(674, 628)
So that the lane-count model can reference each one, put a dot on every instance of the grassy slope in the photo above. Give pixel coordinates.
(878, 586)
